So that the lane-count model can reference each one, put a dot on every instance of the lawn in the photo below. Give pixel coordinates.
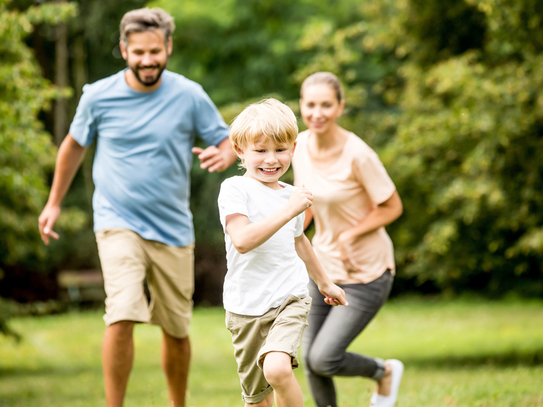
(457, 353)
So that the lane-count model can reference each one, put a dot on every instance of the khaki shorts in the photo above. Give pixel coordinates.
(278, 330)
(127, 259)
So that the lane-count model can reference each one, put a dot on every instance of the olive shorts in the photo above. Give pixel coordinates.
(278, 330)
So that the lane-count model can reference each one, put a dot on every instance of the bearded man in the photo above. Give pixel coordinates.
(144, 119)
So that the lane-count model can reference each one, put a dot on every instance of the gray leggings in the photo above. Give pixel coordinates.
(332, 329)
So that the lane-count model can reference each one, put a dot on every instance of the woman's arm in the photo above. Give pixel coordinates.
(382, 215)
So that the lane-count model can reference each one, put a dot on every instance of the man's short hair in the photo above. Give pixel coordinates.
(268, 118)
(146, 19)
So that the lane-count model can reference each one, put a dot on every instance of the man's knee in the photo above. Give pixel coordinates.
(121, 330)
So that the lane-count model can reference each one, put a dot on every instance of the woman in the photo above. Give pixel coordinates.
(354, 198)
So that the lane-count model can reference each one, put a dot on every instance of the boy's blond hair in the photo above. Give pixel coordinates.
(268, 118)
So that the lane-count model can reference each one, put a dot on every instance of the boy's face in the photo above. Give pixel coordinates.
(266, 161)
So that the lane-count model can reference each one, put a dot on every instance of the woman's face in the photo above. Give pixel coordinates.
(320, 108)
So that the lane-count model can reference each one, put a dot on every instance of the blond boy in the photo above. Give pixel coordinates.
(265, 290)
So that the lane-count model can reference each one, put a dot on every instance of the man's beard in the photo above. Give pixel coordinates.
(151, 82)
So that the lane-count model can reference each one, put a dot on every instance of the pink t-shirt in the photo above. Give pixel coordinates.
(343, 195)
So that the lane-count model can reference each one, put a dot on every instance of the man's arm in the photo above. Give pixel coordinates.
(333, 294)
(69, 158)
(216, 158)
(247, 236)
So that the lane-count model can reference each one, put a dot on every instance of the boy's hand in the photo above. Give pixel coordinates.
(299, 201)
(333, 295)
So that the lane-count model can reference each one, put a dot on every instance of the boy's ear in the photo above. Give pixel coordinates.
(293, 148)
(237, 150)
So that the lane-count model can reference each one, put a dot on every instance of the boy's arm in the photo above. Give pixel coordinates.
(247, 236)
(333, 294)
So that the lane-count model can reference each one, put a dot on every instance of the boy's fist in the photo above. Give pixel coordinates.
(300, 200)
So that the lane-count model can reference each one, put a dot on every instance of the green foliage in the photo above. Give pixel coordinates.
(26, 153)
(467, 146)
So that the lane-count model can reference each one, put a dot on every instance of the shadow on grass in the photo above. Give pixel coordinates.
(506, 359)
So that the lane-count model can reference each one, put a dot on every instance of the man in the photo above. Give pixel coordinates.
(145, 119)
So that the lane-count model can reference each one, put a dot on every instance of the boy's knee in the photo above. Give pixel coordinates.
(277, 368)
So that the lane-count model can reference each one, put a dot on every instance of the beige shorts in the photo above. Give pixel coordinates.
(127, 259)
(278, 330)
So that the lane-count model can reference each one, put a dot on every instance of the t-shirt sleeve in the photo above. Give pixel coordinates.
(232, 199)
(83, 127)
(209, 124)
(299, 228)
(372, 174)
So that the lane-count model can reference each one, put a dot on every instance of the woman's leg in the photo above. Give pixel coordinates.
(326, 356)
(322, 388)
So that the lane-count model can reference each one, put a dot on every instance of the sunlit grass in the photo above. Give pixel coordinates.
(461, 353)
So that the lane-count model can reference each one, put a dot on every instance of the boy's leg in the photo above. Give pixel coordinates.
(175, 363)
(279, 374)
(267, 402)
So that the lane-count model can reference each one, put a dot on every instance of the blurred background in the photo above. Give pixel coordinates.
(448, 92)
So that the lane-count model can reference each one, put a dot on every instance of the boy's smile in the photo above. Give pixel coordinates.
(266, 161)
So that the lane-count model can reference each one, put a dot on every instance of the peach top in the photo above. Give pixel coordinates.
(343, 195)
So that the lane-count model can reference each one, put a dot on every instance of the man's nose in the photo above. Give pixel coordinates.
(147, 60)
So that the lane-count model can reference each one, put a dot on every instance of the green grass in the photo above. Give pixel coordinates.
(460, 353)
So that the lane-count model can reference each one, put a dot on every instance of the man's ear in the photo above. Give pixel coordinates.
(169, 46)
(124, 53)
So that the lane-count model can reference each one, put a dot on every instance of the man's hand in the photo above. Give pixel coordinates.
(299, 201)
(46, 222)
(214, 158)
(333, 295)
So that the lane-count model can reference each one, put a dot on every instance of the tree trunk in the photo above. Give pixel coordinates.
(61, 80)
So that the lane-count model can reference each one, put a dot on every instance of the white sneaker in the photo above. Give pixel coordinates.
(390, 401)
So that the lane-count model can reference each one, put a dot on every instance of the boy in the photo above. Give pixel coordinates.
(265, 290)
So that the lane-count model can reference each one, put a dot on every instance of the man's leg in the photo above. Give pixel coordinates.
(175, 362)
(117, 359)
(279, 374)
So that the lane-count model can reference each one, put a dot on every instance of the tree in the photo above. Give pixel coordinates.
(26, 151)
(467, 140)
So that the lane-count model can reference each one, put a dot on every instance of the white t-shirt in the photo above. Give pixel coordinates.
(263, 278)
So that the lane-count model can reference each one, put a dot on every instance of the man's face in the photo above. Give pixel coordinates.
(146, 55)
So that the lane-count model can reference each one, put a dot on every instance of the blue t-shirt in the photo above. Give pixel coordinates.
(143, 154)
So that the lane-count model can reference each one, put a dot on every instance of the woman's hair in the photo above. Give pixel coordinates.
(268, 118)
(323, 78)
(146, 19)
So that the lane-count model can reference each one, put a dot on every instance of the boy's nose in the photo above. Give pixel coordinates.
(271, 158)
